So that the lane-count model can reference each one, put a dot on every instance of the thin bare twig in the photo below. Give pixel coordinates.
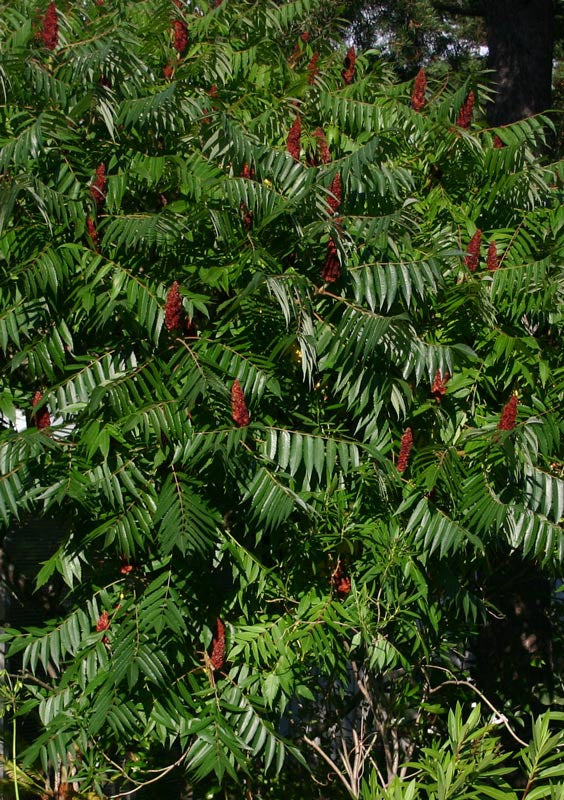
(161, 775)
(331, 763)
(455, 682)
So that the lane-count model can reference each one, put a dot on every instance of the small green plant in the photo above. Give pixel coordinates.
(472, 764)
(10, 693)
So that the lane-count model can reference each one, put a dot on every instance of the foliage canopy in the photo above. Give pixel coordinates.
(167, 266)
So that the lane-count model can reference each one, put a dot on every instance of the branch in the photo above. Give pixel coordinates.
(158, 777)
(28, 676)
(331, 763)
(501, 717)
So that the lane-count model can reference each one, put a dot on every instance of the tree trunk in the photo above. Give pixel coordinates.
(520, 41)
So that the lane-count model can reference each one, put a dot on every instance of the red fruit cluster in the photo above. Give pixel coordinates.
(213, 91)
(472, 256)
(50, 28)
(508, 415)
(336, 197)
(492, 261)
(322, 146)
(217, 655)
(419, 89)
(239, 412)
(465, 114)
(304, 36)
(92, 232)
(174, 313)
(497, 143)
(405, 449)
(126, 566)
(350, 60)
(247, 172)
(98, 186)
(42, 417)
(340, 581)
(180, 41)
(103, 622)
(312, 68)
(293, 141)
(168, 71)
(332, 268)
(438, 389)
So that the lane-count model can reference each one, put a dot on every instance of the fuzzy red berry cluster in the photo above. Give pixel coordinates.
(176, 320)
(248, 173)
(98, 194)
(92, 232)
(405, 449)
(322, 146)
(473, 251)
(465, 114)
(336, 196)
(349, 66)
(419, 89)
(340, 580)
(180, 38)
(438, 389)
(103, 622)
(174, 312)
(42, 416)
(217, 654)
(492, 260)
(472, 257)
(98, 186)
(508, 415)
(313, 69)
(50, 27)
(332, 268)
(239, 411)
(293, 142)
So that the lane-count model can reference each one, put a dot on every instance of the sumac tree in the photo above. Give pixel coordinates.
(286, 432)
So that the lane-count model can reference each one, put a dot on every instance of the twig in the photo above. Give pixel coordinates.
(27, 676)
(331, 763)
(381, 778)
(163, 772)
(499, 715)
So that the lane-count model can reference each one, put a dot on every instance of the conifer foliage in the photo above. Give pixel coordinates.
(241, 271)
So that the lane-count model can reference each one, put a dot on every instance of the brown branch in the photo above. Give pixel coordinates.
(158, 777)
(331, 763)
(502, 718)
(28, 676)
